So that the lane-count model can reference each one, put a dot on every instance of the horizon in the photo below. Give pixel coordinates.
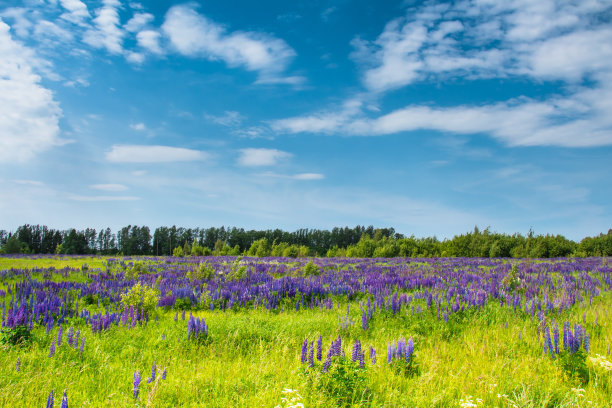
(426, 117)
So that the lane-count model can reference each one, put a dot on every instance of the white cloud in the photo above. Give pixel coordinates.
(21, 23)
(299, 176)
(308, 176)
(109, 187)
(261, 157)
(152, 154)
(29, 115)
(76, 11)
(579, 120)
(228, 119)
(138, 22)
(149, 40)
(194, 35)
(75, 197)
(543, 39)
(107, 32)
(138, 126)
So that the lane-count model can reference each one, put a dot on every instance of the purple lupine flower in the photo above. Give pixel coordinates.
(50, 400)
(319, 348)
(372, 355)
(356, 350)
(365, 324)
(136, 383)
(64, 401)
(556, 338)
(549, 344)
(608, 348)
(304, 355)
(76, 339)
(82, 345)
(153, 373)
(163, 335)
(311, 355)
(164, 374)
(18, 365)
(52, 349)
(59, 336)
(69, 335)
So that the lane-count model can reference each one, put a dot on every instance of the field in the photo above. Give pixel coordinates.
(266, 332)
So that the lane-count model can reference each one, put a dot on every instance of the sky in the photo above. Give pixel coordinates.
(428, 117)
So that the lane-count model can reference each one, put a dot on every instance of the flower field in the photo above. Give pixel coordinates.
(267, 332)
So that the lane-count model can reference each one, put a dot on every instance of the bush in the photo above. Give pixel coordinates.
(310, 269)
(142, 297)
(18, 335)
(204, 271)
(343, 385)
(574, 364)
(237, 271)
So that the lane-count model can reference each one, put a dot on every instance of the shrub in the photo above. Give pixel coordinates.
(143, 297)
(18, 335)
(237, 271)
(310, 269)
(344, 384)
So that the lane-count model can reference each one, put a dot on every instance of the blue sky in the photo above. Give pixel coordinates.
(430, 117)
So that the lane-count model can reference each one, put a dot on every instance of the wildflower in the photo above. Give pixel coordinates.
(372, 355)
(82, 344)
(304, 356)
(311, 355)
(59, 336)
(18, 365)
(136, 383)
(153, 373)
(320, 352)
(52, 349)
(164, 374)
(50, 400)
(64, 401)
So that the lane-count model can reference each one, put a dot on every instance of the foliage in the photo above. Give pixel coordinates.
(18, 335)
(574, 365)
(137, 269)
(343, 385)
(237, 271)
(311, 269)
(141, 297)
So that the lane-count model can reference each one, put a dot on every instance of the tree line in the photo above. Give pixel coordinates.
(358, 241)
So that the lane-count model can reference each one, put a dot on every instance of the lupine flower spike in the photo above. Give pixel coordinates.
(64, 401)
(50, 400)
(136, 383)
(153, 373)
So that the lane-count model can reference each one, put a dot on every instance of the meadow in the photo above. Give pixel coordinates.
(323, 332)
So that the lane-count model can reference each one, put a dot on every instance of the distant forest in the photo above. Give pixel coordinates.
(359, 241)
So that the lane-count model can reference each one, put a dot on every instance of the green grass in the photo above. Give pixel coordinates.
(254, 354)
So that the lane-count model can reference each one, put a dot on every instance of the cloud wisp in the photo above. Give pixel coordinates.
(253, 157)
(194, 35)
(153, 154)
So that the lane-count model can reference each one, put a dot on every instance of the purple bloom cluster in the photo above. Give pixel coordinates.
(358, 355)
(196, 327)
(402, 350)
(136, 384)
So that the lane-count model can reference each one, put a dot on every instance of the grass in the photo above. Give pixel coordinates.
(254, 354)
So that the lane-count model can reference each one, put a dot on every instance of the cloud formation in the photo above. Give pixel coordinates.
(194, 35)
(29, 114)
(152, 154)
(252, 157)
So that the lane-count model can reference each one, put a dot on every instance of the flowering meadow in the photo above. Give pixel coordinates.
(306, 332)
